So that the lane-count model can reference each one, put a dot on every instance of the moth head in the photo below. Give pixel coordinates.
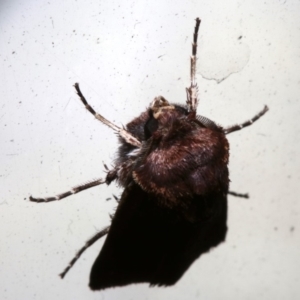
(160, 105)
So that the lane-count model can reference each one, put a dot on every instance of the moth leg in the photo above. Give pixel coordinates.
(88, 243)
(238, 194)
(192, 91)
(130, 139)
(74, 190)
(110, 176)
(247, 123)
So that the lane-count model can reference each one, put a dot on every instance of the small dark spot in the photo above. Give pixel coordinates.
(13, 52)
(240, 37)
(292, 229)
(107, 199)
(275, 228)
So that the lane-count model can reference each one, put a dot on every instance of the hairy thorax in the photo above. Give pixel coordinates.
(182, 154)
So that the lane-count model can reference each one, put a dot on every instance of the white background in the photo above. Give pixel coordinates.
(123, 54)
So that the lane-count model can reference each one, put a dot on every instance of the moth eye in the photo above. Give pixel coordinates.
(150, 127)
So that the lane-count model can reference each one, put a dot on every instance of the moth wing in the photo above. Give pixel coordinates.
(148, 242)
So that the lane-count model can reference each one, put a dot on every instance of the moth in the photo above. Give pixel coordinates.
(173, 167)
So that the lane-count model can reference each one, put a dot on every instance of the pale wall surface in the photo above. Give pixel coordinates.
(124, 53)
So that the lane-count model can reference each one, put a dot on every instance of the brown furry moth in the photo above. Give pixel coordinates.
(172, 164)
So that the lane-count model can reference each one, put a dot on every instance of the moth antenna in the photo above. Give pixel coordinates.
(237, 127)
(192, 91)
(73, 191)
(88, 243)
(129, 138)
(246, 195)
